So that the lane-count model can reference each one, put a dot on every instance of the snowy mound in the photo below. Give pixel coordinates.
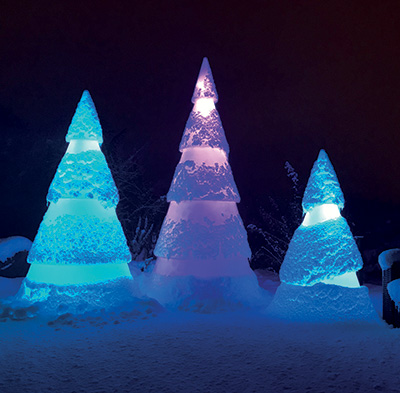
(333, 252)
(13, 245)
(394, 292)
(388, 257)
(203, 182)
(323, 185)
(322, 302)
(84, 175)
(188, 293)
(113, 295)
(13, 255)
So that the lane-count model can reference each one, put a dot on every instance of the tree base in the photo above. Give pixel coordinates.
(322, 302)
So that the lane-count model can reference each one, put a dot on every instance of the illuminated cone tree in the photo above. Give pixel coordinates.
(203, 234)
(80, 241)
(318, 273)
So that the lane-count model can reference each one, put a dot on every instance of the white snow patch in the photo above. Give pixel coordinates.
(12, 245)
(388, 257)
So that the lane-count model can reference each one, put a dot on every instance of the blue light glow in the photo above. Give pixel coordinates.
(62, 275)
(323, 186)
(85, 123)
(80, 240)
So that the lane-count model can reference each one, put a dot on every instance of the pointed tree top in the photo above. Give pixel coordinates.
(85, 123)
(323, 185)
(205, 86)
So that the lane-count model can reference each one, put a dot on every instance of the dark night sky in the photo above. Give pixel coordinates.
(292, 77)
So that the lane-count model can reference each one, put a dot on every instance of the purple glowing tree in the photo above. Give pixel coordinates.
(203, 234)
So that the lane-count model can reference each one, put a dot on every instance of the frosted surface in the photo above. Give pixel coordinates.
(85, 123)
(79, 232)
(77, 299)
(187, 239)
(205, 86)
(320, 251)
(323, 186)
(12, 245)
(84, 175)
(204, 131)
(322, 302)
(202, 234)
(203, 182)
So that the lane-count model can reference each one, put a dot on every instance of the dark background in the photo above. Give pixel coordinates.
(292, 77)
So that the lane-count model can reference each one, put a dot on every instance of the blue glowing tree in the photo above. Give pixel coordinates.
(323, 247)
(80, 240)
(318, 273)
(203, 234)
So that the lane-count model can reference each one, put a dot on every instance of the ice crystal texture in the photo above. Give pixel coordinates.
(202, 234)
(79, 239)
(323, 186)
(85, 123)
(320, 251)
(203, 182)
(322, 302)
(205, 86)
(204, 131)
(186, 239)
(84, 175)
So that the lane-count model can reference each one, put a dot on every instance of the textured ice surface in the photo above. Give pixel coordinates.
(203, 182)
(85, 123)
(205, 295)
(320, 251)
(186, 239)
(322, 302)
(90, 235)
(388, 257)
(204, 131)
(109, 295)
(201, 230)
(12, 245)
(84, 175)
(323, 186)
(205, 86)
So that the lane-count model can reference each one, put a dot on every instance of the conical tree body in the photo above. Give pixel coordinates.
(323, 186)
(203, 230)
(85, 124)
(318, 274)
(327, 248)
(80, 236)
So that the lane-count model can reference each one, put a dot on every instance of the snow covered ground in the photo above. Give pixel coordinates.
(189, 352)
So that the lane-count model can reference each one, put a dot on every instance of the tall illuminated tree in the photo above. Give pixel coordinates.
(203, 236)
(318, 273)
(80, 243)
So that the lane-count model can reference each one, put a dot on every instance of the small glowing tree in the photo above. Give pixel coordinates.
(80, 241)
(203, 234)
(318, 273)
